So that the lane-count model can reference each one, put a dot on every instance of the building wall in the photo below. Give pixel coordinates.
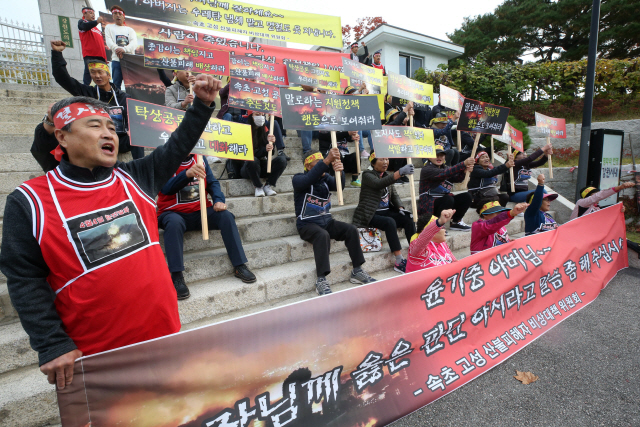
(390, 56)
(49, 12)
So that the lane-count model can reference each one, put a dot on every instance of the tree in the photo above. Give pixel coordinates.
(363, 26)
(550, 30)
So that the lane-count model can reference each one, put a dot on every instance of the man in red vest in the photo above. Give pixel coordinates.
(85, 271)
(91, 40)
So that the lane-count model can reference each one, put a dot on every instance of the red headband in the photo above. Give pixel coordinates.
(479, 155)
(75, 111)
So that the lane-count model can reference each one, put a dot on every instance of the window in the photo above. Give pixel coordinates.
(409, 65)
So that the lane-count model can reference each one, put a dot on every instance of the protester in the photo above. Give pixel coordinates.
(536, 217)
(483, 181)
(103, 91)
(90, 40)
(441, 126)
(256, 169)
(436, 183)
(376, 61)
(80, 251)
(120, 39)
(312, 197)
(429, 248)
(179, 211)
(490, 230)
(177, 95)
(467, 141)
(380, 207)
(364, 59)
(396, 118)
(522, 173)
(348, 160)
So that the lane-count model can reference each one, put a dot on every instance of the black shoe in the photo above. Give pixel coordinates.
(282, 153)
(404, 179)
(242, 272)
(634, 247)
(181, 288)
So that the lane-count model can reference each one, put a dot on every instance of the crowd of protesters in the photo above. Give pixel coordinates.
(54, 289)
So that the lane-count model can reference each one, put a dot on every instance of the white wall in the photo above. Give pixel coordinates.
(390, 56)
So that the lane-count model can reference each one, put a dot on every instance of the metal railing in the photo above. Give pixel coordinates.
(23, 57)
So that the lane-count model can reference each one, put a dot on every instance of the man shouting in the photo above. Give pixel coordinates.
(80, 250)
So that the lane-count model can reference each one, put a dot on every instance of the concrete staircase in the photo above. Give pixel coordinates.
(267, 228)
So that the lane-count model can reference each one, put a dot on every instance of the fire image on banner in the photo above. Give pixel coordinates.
(400, 102)
(451, 98)
(365, 356)
(404, 87)
(401, 141)
(184, 57)
(151, 125)
(513, 137)
(482, 117)
(320, 78)
(271, 54)
(363, 73)
(317, 111)
(241, 67)
(246, 95)
(240, 18)
(141, 82)
(246, 67)
(551, 127)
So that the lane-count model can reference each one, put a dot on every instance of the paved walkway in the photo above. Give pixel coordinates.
(589, 369)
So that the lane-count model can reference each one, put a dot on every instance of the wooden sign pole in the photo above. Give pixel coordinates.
(459, 142)
(202, 191)
(473, 155)
(491, 148)
(550, 161)
(513, 184)
(358, 155)
(414, 206)
(270, 154)
(334, 144)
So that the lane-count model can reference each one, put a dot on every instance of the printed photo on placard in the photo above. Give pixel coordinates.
(190, 193)
(143, 83)
(358, 71)
(319, 78)
(451, 98)
(261, 97)
(406, 88)
(482, 117)
(400, 102)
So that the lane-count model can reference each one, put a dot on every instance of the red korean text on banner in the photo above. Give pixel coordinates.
(247, 67)
(482, 117)
(550, 126)
(173, 56)
(517, 139)
(411, 339)
(261, 97)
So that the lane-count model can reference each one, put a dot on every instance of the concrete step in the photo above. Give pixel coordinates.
(20, 143)
(10, 180)
(41, 104)
(32, 116)
(16, 128)
(32, 92)
(18, 162)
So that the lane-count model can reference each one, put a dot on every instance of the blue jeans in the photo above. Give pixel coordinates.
(307, 136)
(117, 74)
(521, 196)
(365, 134)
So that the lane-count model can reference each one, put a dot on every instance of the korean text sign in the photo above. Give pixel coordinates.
(184, 57)
(240, 18)
(320, 78)
(358, 71)
(451, 98)
(513, 137)
(406, 88)
(417, 337)
(247, 67)
(551, 127)
(482, 117)
(403, 141)
(317, 111)
(151, 125)
(247, 95)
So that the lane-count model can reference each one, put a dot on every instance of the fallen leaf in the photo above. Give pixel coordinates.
(525, 377)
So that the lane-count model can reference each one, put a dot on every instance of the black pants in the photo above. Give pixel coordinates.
(460, 202)
(320, 238)
(258, 169)
(175, 224)
(396, 164)
(389, 221)
(349, 162)
(452, 157)
(502, 198)
(86, 78)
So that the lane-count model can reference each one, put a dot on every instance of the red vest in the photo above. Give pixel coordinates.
(187, 200)
(100, 241)
(92, 42)
(379, 67)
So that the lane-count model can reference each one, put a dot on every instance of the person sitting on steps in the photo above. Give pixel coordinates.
(483, 181)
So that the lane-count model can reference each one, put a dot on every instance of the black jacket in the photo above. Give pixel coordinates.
(483, 178)
(364, 59)
(373, 188)
(320, 183)
(21, 259)
(43, 144)
(522, 166)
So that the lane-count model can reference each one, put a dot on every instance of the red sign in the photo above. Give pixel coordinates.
(517, 139)
(551, 127)
(329, 360)
(173, 56)
(247, 67)
(247, 95)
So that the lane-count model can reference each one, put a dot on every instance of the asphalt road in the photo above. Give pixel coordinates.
(589, 369)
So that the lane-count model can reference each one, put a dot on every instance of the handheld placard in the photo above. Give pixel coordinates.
(473, 155)
(412, 188)
(270, 154)
(334, 144)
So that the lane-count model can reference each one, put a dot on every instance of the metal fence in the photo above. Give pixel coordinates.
(23, 58)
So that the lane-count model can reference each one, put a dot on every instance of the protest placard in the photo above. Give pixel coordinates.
(162, 31)
(550, 126)
(412, 339)
(151, 126)
(401, 102)
(173, 56)
(242, 67)
(261, 97)
(240, 18)
(363, 73)
(406, 88)
(317, 111)
(247, 67)
(451, 98)
(513, 137)
(403, 141)
(482, 117)
(141, 82)
(320, 78)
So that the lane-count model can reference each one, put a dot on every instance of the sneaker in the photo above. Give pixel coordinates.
(181, 287)
(361, 277)
(243, 273)
(322, 286)
(459, 226)
(214, 159)
(364, 154)
(259, 192)
(282, 153)
(402, 267)
(356, 183)
(268, 190)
